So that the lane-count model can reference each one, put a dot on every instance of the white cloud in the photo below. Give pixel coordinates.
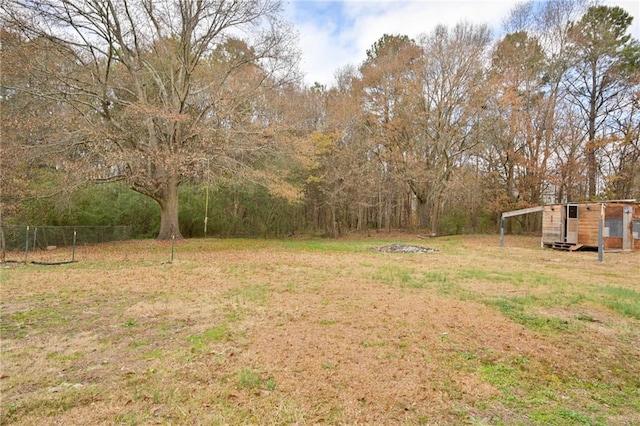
(322, 54)
(415, 18)
(338, 33)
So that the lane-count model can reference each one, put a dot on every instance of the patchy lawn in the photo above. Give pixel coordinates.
(322, 331)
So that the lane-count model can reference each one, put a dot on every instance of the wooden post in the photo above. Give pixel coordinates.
(515, 213)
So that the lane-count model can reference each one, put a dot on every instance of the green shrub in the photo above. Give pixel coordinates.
(233, 210)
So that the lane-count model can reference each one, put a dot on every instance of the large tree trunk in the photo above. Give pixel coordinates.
(434, 216)
(168, 200)
(592, 165)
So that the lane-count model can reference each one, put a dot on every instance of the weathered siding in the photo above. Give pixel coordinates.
(551, 224)
(613, 212)
(635, 225)
(588, 218)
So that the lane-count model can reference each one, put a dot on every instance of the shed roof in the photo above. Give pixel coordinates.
(628, 201)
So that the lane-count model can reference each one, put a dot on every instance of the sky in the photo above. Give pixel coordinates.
(337, 33)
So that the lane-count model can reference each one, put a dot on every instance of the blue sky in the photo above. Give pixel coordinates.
(336, 33)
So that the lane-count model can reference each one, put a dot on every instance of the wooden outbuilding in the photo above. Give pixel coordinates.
(577, 225)
(574, 226)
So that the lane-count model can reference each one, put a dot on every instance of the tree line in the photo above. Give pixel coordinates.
(186, 100)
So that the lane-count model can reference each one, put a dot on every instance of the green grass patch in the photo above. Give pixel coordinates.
(395, 275)
(516, 278)
(622, 300)
(436, 277)
(562, 416)
(20, 324)
(152, 354)
(13, 330)
(65, 357)
(248, 378)
(130, 322)
(514, 309)
(324, 245)
(50, 403)
(200, 341)
(500, 375)
(138, 343)
(379, 344)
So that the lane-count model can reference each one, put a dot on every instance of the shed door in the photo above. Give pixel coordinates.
(572, 224)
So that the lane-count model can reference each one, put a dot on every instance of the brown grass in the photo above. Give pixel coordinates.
(322, 332)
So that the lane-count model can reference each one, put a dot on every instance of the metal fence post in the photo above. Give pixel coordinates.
(173, 241)
(73, 251)
(600, 234)
(26, 247)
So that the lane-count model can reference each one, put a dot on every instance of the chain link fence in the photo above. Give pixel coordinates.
(22, 238)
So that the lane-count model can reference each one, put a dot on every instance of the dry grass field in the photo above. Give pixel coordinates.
(315, 331)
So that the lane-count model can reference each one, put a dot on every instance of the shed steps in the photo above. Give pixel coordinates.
(566, 246)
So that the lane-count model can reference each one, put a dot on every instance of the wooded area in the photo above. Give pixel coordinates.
(199, 107)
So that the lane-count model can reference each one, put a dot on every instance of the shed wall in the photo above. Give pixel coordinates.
(613, 236)
(553, 219)
(588, 220)
(551, 224)
(635, 228)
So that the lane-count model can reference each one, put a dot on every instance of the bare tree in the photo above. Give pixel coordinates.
(28, 158)
(390, 93)
(595, 83)
(341, 175)
(454, 95)
(160, 88)
(621, 155)
(518, 108)
(549, 23)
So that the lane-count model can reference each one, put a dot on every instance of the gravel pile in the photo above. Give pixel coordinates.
(404, 248)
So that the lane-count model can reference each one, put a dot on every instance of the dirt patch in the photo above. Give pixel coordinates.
(374, 354)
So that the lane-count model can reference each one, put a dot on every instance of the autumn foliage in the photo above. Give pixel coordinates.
(442, 132)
